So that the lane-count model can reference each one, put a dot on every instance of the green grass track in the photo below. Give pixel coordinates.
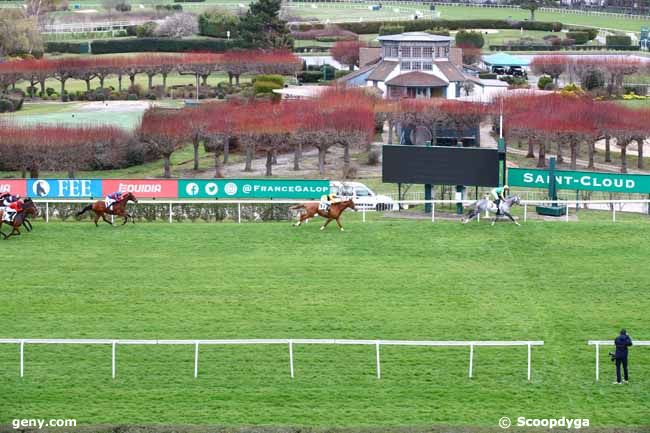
(563, 283)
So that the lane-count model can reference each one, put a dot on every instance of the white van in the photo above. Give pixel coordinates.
(364, 197)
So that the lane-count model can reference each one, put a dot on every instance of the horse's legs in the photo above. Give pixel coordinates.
(104, 218)
(126, 218)
(299, 220)
(470, 216)
(326, 223)
(14, 232)
(338, 222)
(511, 218)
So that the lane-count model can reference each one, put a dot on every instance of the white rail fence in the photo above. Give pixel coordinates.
(614, 206)
(279, 341)
(609, 343)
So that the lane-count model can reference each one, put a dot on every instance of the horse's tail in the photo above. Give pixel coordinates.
(298, 206)
(84, 210)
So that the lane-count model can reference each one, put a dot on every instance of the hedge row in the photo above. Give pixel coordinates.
(66, 47)
(579, 37)
(613, 40)
(364, 28)
(559, 47)
(110, 46)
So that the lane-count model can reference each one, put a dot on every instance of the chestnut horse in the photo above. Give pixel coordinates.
(29, 208)
(118, 209)
(310, 210)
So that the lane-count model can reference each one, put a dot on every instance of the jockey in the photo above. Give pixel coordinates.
(327, 200)
(7, 199)
(113, 198)
(499, 194)
(12, 209)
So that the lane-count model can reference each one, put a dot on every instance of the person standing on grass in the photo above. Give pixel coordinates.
(622, 342)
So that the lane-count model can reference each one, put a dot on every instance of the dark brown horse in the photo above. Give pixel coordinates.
(118, 209)
(29, 208)
(310, 210)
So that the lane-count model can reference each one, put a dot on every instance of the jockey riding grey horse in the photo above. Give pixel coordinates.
(486, 204)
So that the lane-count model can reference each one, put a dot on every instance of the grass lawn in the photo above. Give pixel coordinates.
(562, 283)
(462, 12)
(125, 115)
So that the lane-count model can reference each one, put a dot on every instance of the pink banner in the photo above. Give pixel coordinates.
(14, 186)
(144, 188)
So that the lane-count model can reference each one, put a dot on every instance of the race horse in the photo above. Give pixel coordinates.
(29, 209)
(486, 204)
(118, 209)
(311, 209)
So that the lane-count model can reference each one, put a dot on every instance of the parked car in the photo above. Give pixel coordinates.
(364, 197)
(516, 71)
(499, 70)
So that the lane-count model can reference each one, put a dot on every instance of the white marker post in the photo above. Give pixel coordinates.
(471, 360)
(597, 361)
(113, 358)
(378, 360)
(291, 357)
(196, 359)
(529, 347)
(22, 358)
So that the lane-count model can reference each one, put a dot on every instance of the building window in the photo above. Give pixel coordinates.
(427, 52)
(406, 51)
(427, 66)
(394, 51)
(416, 52)
(416, 66)
(406, 66)
(446, 51)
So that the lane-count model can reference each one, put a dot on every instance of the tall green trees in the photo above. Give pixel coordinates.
(262, 27)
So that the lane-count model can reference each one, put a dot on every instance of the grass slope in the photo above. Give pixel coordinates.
(557, 282)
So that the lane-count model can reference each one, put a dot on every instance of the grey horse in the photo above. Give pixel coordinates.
(486, 204)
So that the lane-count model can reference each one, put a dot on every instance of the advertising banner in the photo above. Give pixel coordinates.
(64, 188)
(145, 188)
(167, 188)
(252, 188)
(14, 186)
(580, 180)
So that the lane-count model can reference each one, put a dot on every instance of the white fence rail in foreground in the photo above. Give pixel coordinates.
(610, 343)
(289, 342)
(642, 206)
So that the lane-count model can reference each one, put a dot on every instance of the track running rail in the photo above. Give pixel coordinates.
(599, 343)
(290, 342)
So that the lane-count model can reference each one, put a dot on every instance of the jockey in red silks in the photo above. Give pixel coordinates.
(113, 198)
(12, 210)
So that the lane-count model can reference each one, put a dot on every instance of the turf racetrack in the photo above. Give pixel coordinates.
(562, 283)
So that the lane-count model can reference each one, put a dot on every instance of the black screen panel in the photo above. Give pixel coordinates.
(440, 165)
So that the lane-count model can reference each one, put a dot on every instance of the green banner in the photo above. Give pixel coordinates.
(252, 188)
(581, 180)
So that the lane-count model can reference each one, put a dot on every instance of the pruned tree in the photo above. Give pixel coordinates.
(164, 131)
(347, 52)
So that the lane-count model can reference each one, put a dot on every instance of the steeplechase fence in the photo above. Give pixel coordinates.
(277, 210)
(610, 343)
(290, 343)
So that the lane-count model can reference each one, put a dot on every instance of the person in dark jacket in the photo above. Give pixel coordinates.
(622, 342)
